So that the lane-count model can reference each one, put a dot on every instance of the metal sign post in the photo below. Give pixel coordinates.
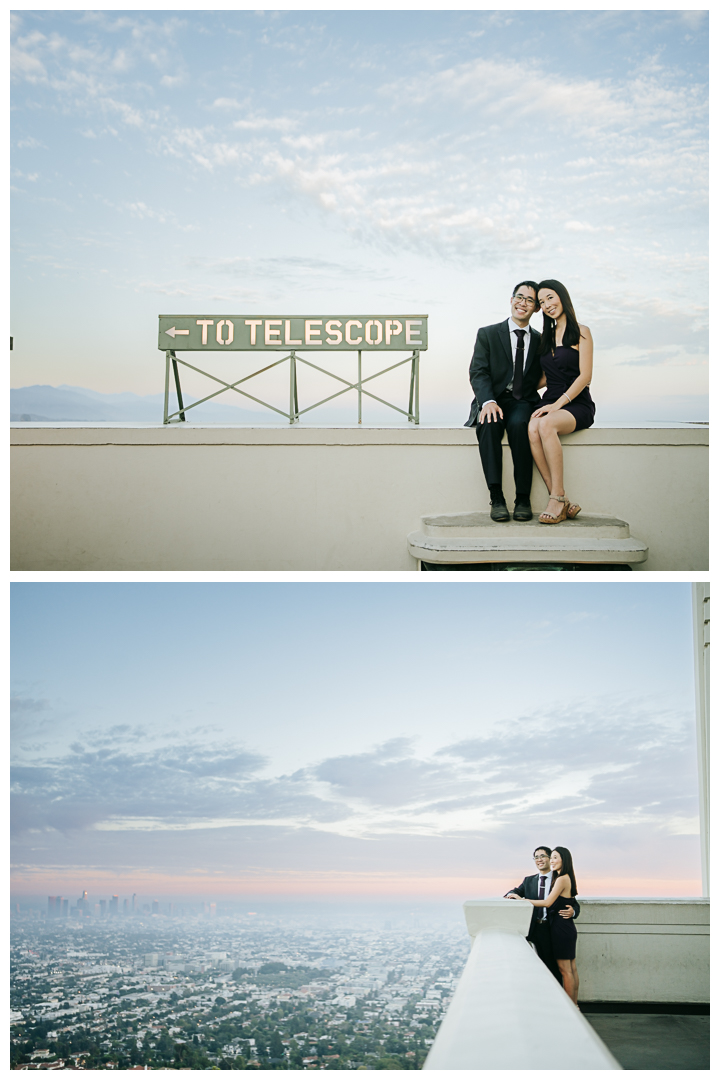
(236, 333)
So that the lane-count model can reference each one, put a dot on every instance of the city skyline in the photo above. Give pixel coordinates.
(308, 162)
(350, 741)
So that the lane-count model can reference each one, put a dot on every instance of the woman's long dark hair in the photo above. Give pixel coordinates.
(572, 333)
(567, 864)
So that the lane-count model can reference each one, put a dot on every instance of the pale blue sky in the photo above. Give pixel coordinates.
(282, 729)
(371, 162)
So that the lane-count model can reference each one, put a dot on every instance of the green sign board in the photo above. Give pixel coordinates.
(262, 333)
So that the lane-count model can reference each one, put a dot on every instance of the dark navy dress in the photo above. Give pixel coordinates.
(563, 932)
(562, 370)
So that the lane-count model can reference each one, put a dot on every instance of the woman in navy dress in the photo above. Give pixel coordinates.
(563, 932)
(566, 355)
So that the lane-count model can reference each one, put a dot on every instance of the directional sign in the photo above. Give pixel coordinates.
(262, 333)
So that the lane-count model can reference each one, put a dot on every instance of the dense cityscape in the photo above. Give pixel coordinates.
(128, 984)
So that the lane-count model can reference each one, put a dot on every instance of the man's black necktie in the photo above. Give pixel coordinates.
(519, 365)
(541, 896)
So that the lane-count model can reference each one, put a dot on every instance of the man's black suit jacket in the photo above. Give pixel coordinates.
(529, 891)
(491, 368)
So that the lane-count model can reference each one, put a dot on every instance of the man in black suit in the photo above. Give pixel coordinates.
(537, 887)
(504, 373)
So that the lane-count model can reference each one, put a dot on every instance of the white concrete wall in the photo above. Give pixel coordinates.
(187, 497)
(644, 950)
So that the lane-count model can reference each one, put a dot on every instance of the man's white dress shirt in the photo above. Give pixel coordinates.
(514, 340)
(548, 878)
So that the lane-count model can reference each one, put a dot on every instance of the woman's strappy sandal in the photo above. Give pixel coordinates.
(573, 510)
(555, 519)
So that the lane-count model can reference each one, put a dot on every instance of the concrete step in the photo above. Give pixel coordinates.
(479, 523)
(474, 537)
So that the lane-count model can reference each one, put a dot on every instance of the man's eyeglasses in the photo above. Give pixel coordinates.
(525, 299)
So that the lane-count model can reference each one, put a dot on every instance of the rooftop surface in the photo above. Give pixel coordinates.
(654, 1040)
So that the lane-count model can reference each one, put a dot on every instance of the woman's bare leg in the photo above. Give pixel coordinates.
(537, 452)
(550, 428)
(568, 978)
(577, 981)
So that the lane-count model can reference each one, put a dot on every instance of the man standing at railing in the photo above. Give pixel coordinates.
(537, 887)
(504, 374)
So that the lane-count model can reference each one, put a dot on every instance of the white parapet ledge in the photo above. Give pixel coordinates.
(188, 434)
(508, 1012)
(482, 915)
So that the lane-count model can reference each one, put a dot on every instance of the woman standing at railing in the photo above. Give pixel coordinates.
(563, 933)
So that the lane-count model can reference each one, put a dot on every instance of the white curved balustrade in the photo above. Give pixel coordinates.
(508, 1012)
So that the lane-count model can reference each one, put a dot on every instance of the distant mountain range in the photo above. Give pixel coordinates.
(64, 403)
(76, 403)
(68, 403)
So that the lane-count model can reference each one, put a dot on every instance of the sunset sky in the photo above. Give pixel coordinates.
(351, 740)
(365, 162)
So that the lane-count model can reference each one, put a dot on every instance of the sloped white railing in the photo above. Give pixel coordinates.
(508, 1012)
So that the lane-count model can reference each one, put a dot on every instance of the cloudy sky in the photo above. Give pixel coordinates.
(362, 162)
(351, 740)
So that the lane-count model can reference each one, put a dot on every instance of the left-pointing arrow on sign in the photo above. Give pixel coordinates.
(172, 332)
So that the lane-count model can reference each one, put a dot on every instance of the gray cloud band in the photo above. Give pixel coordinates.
(608, 764)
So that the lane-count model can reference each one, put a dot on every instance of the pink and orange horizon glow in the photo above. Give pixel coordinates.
(375, 887)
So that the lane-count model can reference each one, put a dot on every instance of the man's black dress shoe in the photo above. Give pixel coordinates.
(523, 510)
(499, 510)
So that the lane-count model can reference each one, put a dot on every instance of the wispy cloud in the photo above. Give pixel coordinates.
(648, 126)
(615, 763)
(22, 706)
